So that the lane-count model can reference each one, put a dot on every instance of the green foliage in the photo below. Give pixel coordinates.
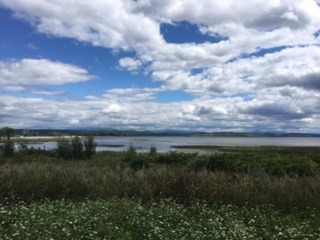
(153, 150)
(8, 148)
(174, 157)
(64, 149)
(89, 147)
(77, 148)
(32, 153)
(139, 164)
(126, 219)
(255, 177)
(7, 132)
(131, 153)
(279, 164)
(41, 179)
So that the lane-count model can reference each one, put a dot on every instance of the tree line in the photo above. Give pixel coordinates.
(77, 148)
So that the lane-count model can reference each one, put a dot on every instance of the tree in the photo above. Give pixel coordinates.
(64, 149)
(153, 150)
(8, 148)
(89, 147)
(77, 147)
(6, 131)
(25, 132)
(131, 153)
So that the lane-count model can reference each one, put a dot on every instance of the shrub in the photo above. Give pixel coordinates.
(89, 147)
(176, 157)
(25, 153)
(131, 153)
(8, 149)
(219, 162)
(77, 148)
(64, 149)
(199, 163)
(153, 150)
(139, 164)
(214, 162)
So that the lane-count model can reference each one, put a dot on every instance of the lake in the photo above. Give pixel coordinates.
(164, 144)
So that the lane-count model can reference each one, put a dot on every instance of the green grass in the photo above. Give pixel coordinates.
(125, 219)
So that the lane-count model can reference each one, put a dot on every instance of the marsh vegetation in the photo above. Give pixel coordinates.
(257, 192)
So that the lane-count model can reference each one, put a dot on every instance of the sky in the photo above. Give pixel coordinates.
(191, 65)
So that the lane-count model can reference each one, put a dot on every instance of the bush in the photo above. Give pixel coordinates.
(139, 164)
(218, 162)
(23, 152)
(131, 153)
(89, 147)
(77, 148)
(176, 157)
(64, 149)
(153, 150)
(8, 149)
(199, 163)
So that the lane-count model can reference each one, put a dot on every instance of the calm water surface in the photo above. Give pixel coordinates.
(164, 144)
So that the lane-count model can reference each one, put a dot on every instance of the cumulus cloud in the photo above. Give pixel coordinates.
(135, 25)
(18, 75)
(131, 94)
(262, 67)
(127, 110)
(102, 23)
(130, 64)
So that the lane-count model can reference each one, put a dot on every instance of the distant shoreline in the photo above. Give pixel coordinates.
(37, 139)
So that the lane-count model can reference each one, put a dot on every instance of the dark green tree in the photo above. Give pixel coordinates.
(64, 149)
(25, 132)
(89, 147)
(153, 150)
(131, 153)
(77, 147)
(8, 148)
(6, 131)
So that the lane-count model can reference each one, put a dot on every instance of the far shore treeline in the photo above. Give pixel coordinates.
(129, 133)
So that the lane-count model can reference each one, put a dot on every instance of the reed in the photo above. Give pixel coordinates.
(76, 180)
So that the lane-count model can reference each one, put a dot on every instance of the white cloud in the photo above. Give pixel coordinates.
(130, 64)
(18, 75)
(271, 111)
(131, 94)
(102, 23)
(265, 68)
(112, 108)
(135, 25)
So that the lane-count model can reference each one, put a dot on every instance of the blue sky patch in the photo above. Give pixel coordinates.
(262, 52)
(185, 32)
(173, 96)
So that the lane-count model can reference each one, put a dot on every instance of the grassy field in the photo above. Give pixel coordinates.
(127, 219)
(232, 193)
